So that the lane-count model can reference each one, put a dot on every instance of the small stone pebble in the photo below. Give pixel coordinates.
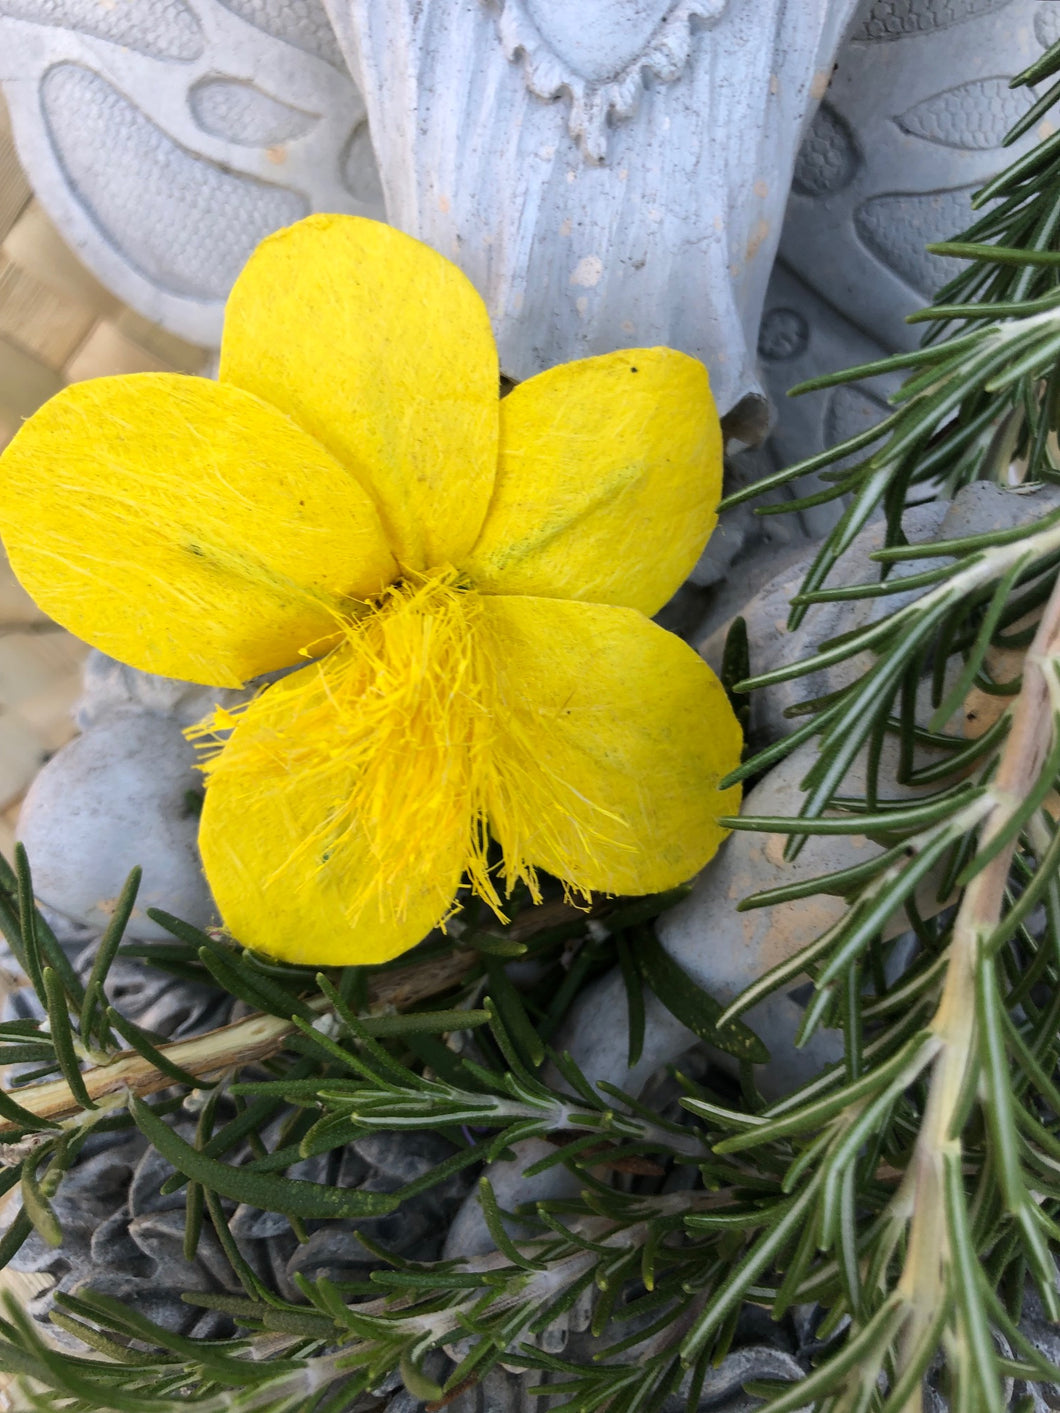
(125, 793)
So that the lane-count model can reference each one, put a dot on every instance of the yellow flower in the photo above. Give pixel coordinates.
(471, 577)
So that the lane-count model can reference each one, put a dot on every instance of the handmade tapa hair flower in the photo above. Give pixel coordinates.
(470, 580)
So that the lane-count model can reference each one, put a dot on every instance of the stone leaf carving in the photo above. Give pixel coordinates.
(302, 23)
(668, 237)
(242, 112)
(158, 217)
(972, 116)
(161, 29)
(167, 137)
(897, 19)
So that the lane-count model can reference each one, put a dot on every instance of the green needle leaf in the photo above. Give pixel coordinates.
(292, 1196)
(692, 1006)
(95, 999)
(38, 1209)
(63, 1038)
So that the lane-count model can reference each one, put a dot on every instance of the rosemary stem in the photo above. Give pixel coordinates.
(254, 1038)
(928, 1266)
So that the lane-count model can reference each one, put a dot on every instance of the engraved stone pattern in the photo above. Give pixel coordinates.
(974, 115)
(120, 163)
(258, 127)
(360, 175)
(600, 54)
(1047, 24)
(895, 19)
(925, 112)
(897, 226)
(242, 113)
(161, 29)
(676, 225)
(828, 158)
(302, 23)
(784, 334)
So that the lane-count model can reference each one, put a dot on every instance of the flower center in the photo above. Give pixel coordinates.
(392, 753)
(413, 725)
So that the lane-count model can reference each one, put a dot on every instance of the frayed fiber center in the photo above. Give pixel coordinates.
(388, 753)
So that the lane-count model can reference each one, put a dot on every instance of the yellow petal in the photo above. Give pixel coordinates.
(612, 736)
(338, 821)
(185, 527)
(608, 481)
(383, 351)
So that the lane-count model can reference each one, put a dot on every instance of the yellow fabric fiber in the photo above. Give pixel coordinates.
(612, 736)
(337, 817)
(608, 481)
(383, 351)
(472, 585)
(353, 796)
(185, 526)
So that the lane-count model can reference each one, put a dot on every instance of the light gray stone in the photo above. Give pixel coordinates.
(111, 687)
(609, 174)
(977, 509)
(469, 1236)
(772, 645)
(167, 137)
(912, 124)
(125, 793)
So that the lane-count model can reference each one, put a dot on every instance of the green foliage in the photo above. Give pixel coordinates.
(911, 1191)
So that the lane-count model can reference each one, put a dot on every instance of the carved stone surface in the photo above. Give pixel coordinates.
(238, 115)
(167, 137)
(599, 194)
(599, 54)
(124, 1238)
(911, 127)
(160, 29)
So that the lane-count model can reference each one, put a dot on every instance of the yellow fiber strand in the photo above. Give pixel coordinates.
(386, 735)
(362, 790)
(392, 756)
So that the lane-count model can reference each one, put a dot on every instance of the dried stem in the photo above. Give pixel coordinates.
(254, 1038)
(921, 1199)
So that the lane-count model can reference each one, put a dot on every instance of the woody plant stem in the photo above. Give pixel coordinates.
(929, 1268)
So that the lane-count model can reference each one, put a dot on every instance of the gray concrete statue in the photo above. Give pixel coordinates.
(608, 172)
